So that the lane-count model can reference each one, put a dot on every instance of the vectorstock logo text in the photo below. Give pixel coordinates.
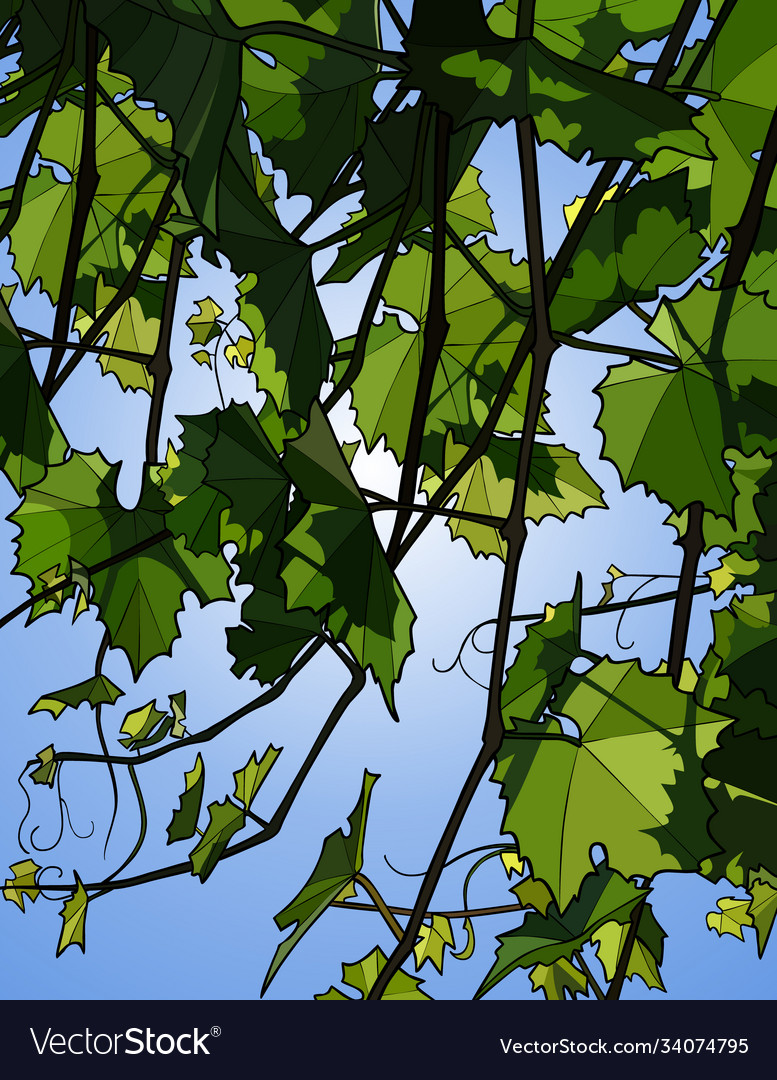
(131, 1041)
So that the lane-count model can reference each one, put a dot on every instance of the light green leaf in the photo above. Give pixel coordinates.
(23, 883)
(432, 941)
(631, 780)
(557, 979)
(362, 975)
(731, 917)
(74, 919)
(545, 939)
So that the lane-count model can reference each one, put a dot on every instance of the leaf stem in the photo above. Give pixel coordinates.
(692, 543)
(380, 905)
(598, 993)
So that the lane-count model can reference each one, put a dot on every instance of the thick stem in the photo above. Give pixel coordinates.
(160, 365)
(435, 332)
(692, 543)
(126, 289)
(514, 532)
(616, 986)
(86, 186)
(744, 233)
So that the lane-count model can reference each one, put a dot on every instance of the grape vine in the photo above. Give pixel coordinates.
(169, 144)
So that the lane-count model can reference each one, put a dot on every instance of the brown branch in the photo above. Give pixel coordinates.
(127, 288)
(86, 187)
(744, 233)
(514, 532)
(616, 986)
(160, 365)
(407, 208)
(67, 579)
(435, 331)
(692, 543)
(39, 341)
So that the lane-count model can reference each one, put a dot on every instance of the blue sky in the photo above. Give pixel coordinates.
(177, 939)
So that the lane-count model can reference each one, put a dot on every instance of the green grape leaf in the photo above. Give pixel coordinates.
(730, 918)
(204, 324)
(47, 770)
(30, 437)
(545, 939)
(363, 974)
(134, 327)
(575, 107)
(145, 727)
(184, 821)
(296, 94)
(240, 493)
(340, 860)
(558, 487)
(533, 893)
(557, 979)
(196, 507)
(98, 690)
(738, 72)
(187, 62)
(74, 919)
(130, 188)
(23, 883)
(74, 513)
(225, 819)
(745, 637)
(542, 662)
(250, 778)
(743, 790)
(646, 954)
(335, 559)
(630, 781)
(431, 942)
(721, 395)
(763, 907)
(631, 249)
(482, 336)
(589, 32)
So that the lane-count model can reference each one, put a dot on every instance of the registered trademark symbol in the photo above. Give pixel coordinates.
(215, 1031)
